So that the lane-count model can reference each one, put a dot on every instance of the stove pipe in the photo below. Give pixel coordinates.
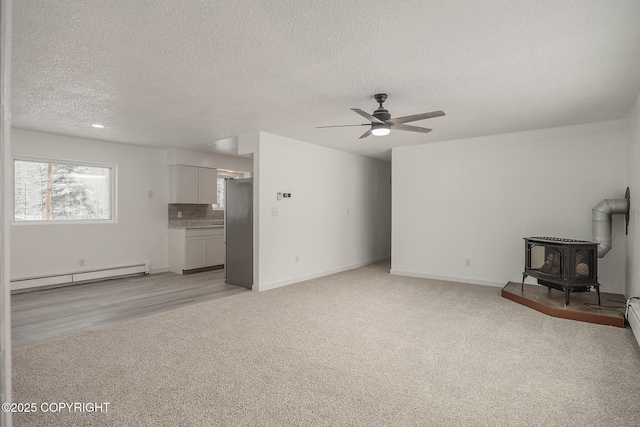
(601, 221)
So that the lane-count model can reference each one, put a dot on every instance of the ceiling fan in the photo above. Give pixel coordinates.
(381, 121)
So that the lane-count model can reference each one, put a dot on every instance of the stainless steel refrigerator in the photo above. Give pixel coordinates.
(238, 226)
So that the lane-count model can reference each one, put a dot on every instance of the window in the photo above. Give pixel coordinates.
(220, 203)
(62, 191)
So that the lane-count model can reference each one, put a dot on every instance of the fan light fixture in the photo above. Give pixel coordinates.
(380, 129)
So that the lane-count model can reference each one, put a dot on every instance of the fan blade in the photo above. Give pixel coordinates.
(342, 126)
(415, 117)
(367, 115)
(411, 128)
(366, 134)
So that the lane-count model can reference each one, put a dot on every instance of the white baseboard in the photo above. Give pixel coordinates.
(634, 319)
(448, 278)
(78, 276)
(41, 281)
(273, 285)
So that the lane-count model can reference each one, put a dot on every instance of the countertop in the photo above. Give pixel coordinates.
(196, 223)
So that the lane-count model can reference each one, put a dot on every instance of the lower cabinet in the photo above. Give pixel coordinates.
(195, 252)
(215, 250)
(195, 248)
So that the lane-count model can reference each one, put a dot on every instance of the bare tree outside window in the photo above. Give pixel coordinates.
(49, 191)
(221, 198)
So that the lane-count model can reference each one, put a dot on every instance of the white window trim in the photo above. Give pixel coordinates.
(114, 187)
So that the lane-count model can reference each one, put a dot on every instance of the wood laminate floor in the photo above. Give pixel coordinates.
(42, 315)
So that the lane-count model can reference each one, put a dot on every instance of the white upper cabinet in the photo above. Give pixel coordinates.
(207, 185)
(183, 184)
(190, 184)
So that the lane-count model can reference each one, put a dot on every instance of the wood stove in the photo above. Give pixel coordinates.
(564, 264)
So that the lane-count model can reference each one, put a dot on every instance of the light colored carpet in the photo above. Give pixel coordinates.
(358, 348)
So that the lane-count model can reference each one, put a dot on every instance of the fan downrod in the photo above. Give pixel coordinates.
(381, 113)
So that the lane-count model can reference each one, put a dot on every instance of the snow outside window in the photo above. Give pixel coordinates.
(221, 195)
(62, 191)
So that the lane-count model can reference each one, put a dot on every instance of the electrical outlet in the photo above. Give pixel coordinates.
(297, 259)
(179, 214)
(467, 262)
(81, 262)
(150, 193)
(274, 211)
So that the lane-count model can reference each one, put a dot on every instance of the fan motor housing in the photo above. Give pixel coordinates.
(381, 114)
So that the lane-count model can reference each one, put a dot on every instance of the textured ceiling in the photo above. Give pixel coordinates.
(187, 73)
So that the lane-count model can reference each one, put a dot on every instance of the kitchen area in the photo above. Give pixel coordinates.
(210, 219)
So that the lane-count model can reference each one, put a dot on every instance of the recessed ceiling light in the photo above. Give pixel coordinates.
(97, 125)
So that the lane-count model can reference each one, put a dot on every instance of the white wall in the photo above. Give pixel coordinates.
(5, 179)
(250, 144)
(478, 198)
(633, 239)
(338, 216)
(140, 234)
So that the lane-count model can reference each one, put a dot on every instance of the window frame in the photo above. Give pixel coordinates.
(38, 159)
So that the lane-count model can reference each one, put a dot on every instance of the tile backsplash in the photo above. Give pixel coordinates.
(194, 212)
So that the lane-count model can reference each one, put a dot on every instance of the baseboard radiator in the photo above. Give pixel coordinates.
(633, 317)
(79, 276)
